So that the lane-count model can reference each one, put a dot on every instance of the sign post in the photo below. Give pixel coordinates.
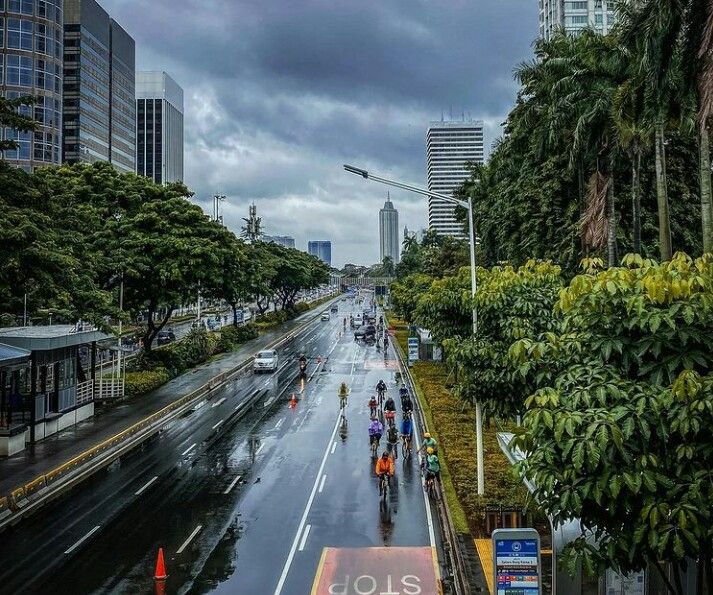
(412, 350)
(516, 562)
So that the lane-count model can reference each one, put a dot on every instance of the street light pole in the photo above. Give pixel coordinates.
(473, 288)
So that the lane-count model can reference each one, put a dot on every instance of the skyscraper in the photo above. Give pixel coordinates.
(31, 64)
(389, 232)
(322, 250)
(159, 127)
(99, 120)
(450, 147)
(575, 15)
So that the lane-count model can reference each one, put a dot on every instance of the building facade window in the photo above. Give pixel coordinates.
(19, 34)
(20, 6)
(19, 70)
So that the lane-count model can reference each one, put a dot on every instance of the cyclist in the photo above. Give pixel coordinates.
(376, 429)
(384, 465)
(345, 323)
(381, 388)
(433, 466)
(406, 404)
(392, 440)
(390, 410)
(429, 442)
(403, 390)
(373, 404)
(407, 428)
(343, 393)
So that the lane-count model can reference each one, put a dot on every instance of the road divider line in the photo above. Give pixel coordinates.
(143, 488)
(216, 425)
(219, 402)
(82, 540)
(334, 447)
(321, 483)
(186, 543)
(278, 424)
(189, 449)
(304, 537)
(303, 520)
(232, 484)
(259, 448)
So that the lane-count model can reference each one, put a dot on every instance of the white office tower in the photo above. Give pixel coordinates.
(451, 146)
(575, 15)
(389, 232)
(159, 127)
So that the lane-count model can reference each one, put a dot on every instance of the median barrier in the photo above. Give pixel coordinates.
(5, 510)
(35, 487)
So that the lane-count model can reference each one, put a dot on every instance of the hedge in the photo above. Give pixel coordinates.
(142, 382)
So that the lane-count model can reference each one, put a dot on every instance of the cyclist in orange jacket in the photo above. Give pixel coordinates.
(384, 464)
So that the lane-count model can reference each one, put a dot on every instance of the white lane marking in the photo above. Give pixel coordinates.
(293, 549)
(278, 424)
(184, 545)
(219, 402)
(321, 483)
(189, 449)
(198, 406)
(143, 488)
(259, 448)
(269, 402)
(82, 540)
(216, 425)
(304, 537)
(232, 484)
(334, 447)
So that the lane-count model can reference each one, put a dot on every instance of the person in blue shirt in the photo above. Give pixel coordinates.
(406, 431)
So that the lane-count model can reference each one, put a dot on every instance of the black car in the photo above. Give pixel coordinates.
(334, 308)
(365, 331)
(165, 337)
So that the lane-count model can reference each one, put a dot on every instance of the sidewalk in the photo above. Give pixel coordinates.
(37, 459)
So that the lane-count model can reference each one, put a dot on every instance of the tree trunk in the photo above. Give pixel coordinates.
(636, 198)
(662, 196)
(704, 163)
(581, 184)
(153, 329)
(664, 577)
(612, 256)
(234, 306)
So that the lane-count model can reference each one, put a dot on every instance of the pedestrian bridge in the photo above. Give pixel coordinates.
(366, 281)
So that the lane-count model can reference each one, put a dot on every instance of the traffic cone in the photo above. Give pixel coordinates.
(319, 359)
(160, 574)
(293, 401)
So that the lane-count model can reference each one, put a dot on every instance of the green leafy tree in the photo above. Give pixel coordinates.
(406, 293)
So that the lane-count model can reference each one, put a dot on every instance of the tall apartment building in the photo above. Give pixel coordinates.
(574, 15)
(450, 146)
(322, 250)
(99, 79)
(31, 36)
(159, 127)
(389, 232)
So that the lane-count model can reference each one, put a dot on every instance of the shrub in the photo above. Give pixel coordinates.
(232, 336)
(142, 382)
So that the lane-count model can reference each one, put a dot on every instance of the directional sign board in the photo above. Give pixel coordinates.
(516, 562)
(377, 571)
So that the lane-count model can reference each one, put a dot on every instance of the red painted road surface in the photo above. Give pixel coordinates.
(377, 571)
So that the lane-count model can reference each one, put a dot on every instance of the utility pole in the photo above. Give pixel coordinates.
(217, 209)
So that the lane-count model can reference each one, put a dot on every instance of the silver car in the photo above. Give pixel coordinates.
(265, 361)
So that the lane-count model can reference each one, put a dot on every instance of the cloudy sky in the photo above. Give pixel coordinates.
(280, 93)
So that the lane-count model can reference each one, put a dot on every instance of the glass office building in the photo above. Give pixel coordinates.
(322, 250)
(31, 64)
(99, 70)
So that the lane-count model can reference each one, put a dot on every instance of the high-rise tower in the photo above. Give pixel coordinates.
(389, 232)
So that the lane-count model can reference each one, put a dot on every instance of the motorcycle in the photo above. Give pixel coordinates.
(303, 368)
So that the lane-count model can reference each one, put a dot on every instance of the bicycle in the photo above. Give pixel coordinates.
(342, 402)
(393, 448)
(406, 445)
(374, 447)
(431, 486)
(390, 418)
(383, 486)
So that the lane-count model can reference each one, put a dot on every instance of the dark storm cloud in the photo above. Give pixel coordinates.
(279, 93)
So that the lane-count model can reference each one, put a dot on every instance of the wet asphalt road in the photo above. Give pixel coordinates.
(239, 505)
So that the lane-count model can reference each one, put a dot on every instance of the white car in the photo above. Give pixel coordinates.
(358, 319)
(325, 316)
(265, 361)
